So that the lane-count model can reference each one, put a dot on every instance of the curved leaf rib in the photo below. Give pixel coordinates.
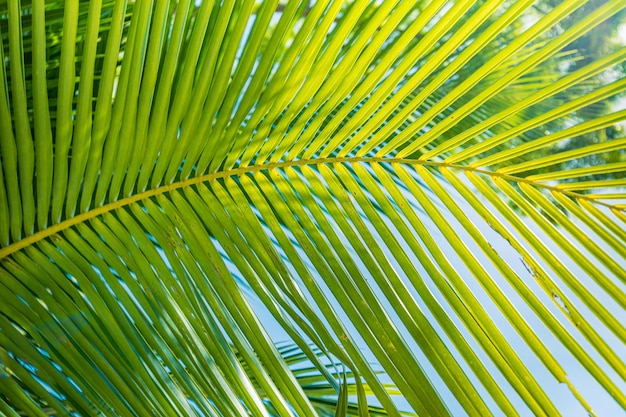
(98, 211)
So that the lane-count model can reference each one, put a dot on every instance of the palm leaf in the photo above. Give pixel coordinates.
(416, 196)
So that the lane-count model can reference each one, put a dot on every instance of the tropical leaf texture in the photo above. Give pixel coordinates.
(388, 187)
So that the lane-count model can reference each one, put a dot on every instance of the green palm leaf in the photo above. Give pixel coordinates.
(416, 196)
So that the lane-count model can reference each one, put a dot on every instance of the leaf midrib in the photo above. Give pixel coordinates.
(66, 224)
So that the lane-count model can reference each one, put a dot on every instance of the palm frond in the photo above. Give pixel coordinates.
(418, 197)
